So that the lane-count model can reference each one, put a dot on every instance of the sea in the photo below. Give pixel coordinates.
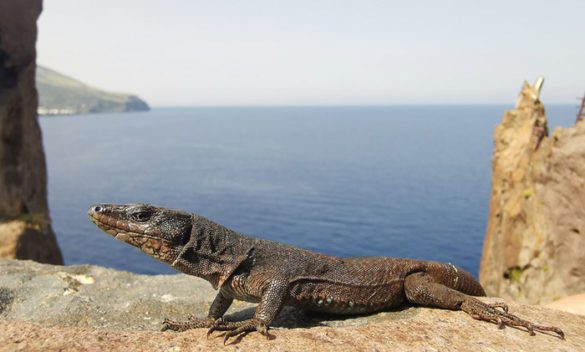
(400, 181)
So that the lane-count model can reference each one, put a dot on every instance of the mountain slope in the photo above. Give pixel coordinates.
(63, 95)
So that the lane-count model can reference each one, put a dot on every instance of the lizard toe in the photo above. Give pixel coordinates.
(192, 323)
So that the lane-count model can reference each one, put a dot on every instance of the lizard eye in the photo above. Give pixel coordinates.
(141, 216)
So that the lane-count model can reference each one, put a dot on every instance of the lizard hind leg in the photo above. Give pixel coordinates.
(420, 288)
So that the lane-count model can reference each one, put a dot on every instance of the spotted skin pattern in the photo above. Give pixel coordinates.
(273, 274)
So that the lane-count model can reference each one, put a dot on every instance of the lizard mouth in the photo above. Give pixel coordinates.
(144, 238)
(115, 226)
(120, 233)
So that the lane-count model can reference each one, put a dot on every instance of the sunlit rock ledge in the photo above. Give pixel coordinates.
(86, 308)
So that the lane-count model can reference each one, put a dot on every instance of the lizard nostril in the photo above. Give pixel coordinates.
(97, 209)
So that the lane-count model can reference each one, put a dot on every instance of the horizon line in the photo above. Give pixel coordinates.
(163, 106)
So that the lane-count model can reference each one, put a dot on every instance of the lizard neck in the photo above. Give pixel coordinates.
(213, 252)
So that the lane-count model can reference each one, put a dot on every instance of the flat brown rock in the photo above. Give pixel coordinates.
(89, 308)
(426, 330)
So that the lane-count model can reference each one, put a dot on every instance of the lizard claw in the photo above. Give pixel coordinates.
(165, 325)
(233, 329)
(214, 326)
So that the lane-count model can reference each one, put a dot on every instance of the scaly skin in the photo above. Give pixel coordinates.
(274, 274)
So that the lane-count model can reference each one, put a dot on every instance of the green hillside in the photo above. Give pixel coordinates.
(62, 95)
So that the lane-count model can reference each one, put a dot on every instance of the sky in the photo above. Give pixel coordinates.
(256, 52)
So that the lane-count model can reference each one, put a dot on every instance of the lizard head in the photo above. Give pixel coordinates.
(159, 232)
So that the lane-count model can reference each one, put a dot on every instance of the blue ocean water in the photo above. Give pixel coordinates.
(403, 181)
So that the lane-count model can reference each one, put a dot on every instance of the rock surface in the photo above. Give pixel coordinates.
(534, 250)
(573, 304)
(88, 308)
(23, 174)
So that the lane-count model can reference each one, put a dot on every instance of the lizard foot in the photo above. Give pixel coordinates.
(192, 323)
(501, 305)
(237, 328)
(488, 312)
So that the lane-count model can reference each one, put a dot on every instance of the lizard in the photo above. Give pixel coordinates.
(274, 274)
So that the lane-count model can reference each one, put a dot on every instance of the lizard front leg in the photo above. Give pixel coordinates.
(220, 305)
(271, 302)
(420, 288)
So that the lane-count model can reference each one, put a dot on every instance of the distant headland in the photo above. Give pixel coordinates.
(63, 95)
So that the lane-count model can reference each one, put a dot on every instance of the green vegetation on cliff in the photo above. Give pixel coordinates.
(62, 95)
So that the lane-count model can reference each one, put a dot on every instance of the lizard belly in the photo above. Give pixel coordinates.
(338, 298)
(238, 288)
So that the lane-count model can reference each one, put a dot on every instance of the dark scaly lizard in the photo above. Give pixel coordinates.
(275, 274)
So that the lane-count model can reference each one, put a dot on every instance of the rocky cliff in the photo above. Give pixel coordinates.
(534, 248)
(88, 308)
(25, 230)
(63, 95)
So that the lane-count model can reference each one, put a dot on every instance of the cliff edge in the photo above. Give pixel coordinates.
(89, 308)
(25, 226)
(534, 249)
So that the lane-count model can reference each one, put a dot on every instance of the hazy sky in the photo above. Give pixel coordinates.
(215, 52)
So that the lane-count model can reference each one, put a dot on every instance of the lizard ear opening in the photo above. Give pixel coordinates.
(186, 241)
(186, 236)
